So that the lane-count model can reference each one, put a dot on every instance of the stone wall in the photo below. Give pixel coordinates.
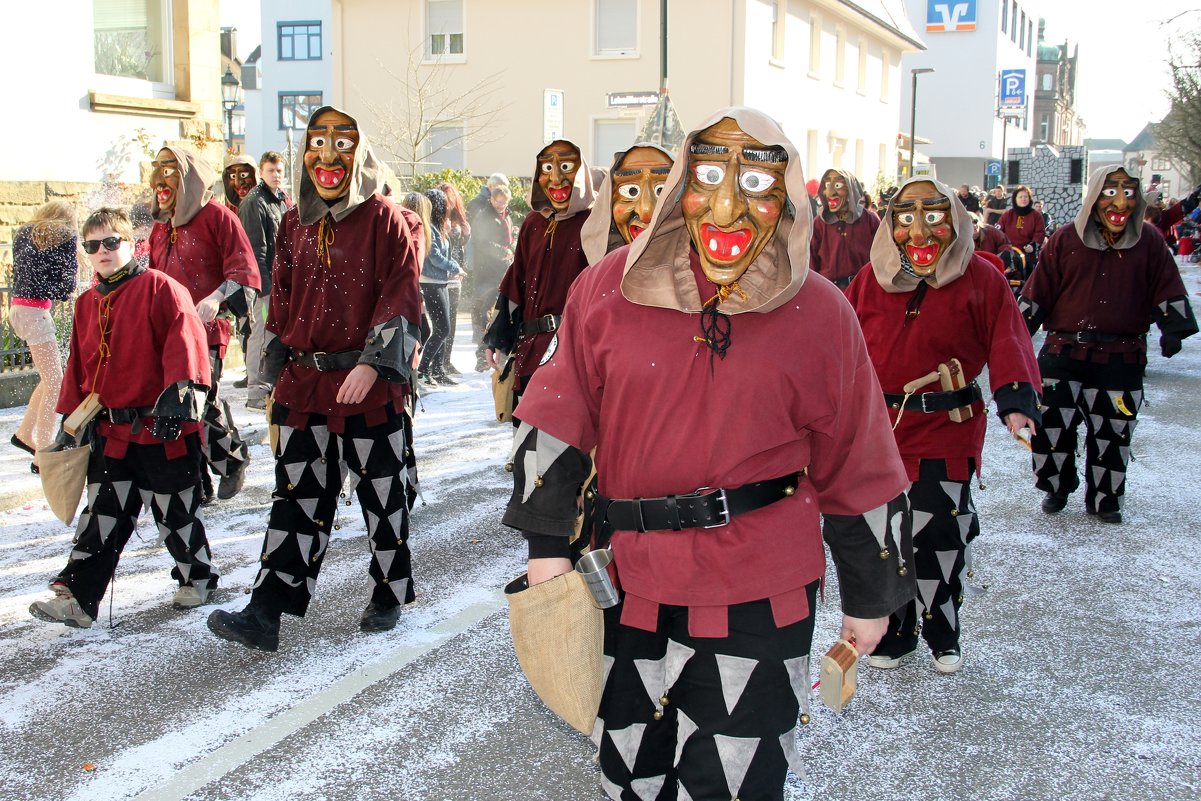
(1048, 172)
(20, 199)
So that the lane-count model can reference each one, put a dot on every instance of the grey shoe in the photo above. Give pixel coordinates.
(62, 608)
(256, 403)
(887, 661)
(190, 597)
(231, 484)
(948, 661)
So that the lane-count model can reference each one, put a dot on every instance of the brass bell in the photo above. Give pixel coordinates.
(291, 487)
(971, 573)
(954, 513)
(658, 715)
(789, 491)
(263, 558)
(902, 571)
(508, 467)
(805, 718)
(348, 503)
(337, 526)
(319, 523)
(538, 482)
(664, 700)
(363, 472)
(384, 580)
(884, 554)
(927, 615)
(341, 494)
(590, 495)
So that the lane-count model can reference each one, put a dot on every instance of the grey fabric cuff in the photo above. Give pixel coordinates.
(237, 298)
(389, 349)
(179, 401)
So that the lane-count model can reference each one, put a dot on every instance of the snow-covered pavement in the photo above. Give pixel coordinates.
(1082, 677)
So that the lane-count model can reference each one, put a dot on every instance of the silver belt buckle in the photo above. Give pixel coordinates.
(724, 509)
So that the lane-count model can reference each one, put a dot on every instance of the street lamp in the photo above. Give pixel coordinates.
(916, 71)
(231, 87)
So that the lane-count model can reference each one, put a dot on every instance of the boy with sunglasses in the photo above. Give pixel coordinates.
(138, 343)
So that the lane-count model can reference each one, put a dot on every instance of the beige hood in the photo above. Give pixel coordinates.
(598, 235)
(368, 176)
(196, 176)
(583, 190)
(657, 272)
(1088, 227)
(886, 256)
(231, 160)
(854, 197)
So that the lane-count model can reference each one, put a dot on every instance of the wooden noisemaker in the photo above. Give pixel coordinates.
(950, 375)
(839, 676)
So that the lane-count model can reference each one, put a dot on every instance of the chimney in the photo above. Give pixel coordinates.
(229, 43)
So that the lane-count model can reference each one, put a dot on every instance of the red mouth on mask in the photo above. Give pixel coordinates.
(725, 245)
(558, 194)
(327, 177)
(243, 191)
(1117, 218)
(922, 256)
(833, 202)
(636, 229)
(163, 195)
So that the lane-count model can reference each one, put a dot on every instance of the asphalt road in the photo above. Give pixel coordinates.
(1081, 677)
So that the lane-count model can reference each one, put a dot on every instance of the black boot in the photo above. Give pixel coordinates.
(253, 627)
(231, 484)
(1053, 503)
(377, 617)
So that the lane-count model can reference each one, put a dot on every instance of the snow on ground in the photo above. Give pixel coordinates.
(1081, 646)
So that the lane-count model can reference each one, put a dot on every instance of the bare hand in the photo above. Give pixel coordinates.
(207, 309)
(1016, 421)
(493, 357)
(354, 389)
(864, 633)
(540, 570)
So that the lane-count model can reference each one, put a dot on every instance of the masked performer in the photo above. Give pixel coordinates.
(927, 300)
(842, 235)
(1100, 284)
(547, 259)
(238, 179)
(200, 243)
(138, 343)
(625, 200)
(669, 366)
(343, 328)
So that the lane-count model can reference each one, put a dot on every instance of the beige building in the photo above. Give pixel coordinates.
(102, 84)
(493, 81)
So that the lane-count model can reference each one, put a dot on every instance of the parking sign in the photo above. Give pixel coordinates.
(1013, 88)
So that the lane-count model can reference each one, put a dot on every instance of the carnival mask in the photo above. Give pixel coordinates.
(332, 139)
(557, 165)
(922, 226)
(637, 183)
(238, 180)
(733, 198)
(1117, 201)
(164, 180)
(835, 193)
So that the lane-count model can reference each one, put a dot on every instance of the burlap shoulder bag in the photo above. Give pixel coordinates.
(502, 391)
(64, 474)
(558, 634)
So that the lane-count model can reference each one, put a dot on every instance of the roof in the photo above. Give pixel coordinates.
(888, 14)
(254, 56)
(1144, 141)
(1105, 144)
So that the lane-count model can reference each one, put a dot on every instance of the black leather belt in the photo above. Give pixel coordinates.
(707, 507)
(936, 401)
(541, 325)
(325, 362)
(128, 414)
(1096, 336)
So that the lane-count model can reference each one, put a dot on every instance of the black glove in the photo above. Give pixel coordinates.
(1190, 202)
(1169, 345)
(169, 428)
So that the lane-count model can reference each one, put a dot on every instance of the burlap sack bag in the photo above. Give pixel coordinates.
(64, 474)
(558, 634)
(502, 392)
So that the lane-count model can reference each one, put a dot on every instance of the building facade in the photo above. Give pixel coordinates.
(292, 75)
(1154, 169)
(1055, 175)
(491, 86)
(1055, 119)
(969, 45)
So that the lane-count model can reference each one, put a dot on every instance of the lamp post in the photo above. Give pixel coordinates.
(916, 71)
(231, 87)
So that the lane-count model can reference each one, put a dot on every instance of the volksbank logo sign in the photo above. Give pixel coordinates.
(959, 15)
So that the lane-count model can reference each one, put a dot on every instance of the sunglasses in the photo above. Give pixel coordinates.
(91, 246)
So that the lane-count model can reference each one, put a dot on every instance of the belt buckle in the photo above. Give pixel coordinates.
(1077, 337)
(548, 320)
(923, 396)
(723, 509)
(319, 360)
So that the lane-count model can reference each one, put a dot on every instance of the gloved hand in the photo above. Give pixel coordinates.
(1190, 202)
(1169, 345)
(167, 428)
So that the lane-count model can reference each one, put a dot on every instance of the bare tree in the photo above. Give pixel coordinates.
(415, 110)
(1179, 133)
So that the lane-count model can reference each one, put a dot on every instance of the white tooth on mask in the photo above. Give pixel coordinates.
(734, 251)
(713, 244)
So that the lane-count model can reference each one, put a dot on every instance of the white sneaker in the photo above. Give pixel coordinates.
(888, 662)
(62, 608)
(189, 597)
(948, 661)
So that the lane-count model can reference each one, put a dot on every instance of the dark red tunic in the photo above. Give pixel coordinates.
(838, 250)
(208, 250)
(1102, 291)
(370, 278)
(543, 268)
(154, 339)
(1022, 229)
(992, 240)
(973, 319)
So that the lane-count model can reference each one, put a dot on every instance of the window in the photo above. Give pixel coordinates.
(1161, 164)
(815, 46)
(295, 108)
(1022, 33)
(811, 153)
(861, 86)
(447, 148)
(1013, 15)
(444, 28)
(779, 16)
(1044, 128)
(1077, 174)
(1030, 37)
(1013, 172)
(300, 41)
(840, 52)
(1047, 79)
(616, 27)
(132, 39)
(610, 136)
(1004, 17)
(885, 70)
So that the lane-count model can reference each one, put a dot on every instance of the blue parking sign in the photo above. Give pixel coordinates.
(1013, 88)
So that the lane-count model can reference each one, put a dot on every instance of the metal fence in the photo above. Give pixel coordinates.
(14, 353)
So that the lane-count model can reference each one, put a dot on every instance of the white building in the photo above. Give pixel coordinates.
(828, 70)
(293, 74)
(968, 45)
